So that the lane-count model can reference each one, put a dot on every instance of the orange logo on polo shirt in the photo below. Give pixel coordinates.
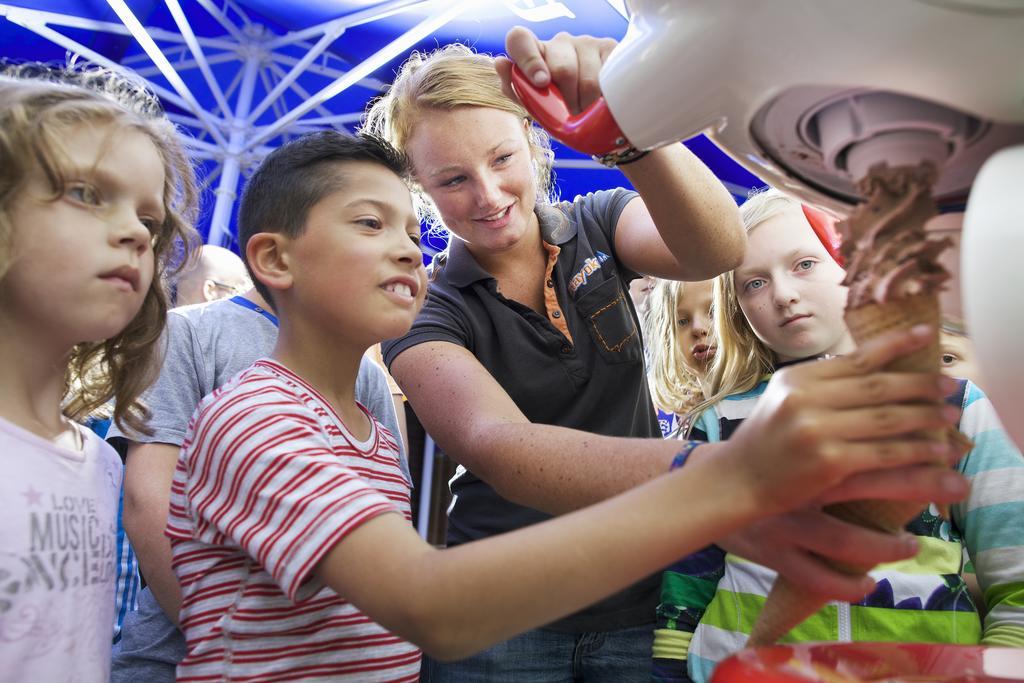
(590, 266)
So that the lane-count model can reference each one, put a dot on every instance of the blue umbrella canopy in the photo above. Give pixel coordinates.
(242, 76)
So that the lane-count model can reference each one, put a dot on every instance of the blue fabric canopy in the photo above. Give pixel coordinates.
(241, 76)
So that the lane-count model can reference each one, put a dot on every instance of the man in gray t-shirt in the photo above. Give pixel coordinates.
(206, 345)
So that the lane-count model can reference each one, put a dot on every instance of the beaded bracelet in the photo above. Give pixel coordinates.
(683, 455)
(620, 157)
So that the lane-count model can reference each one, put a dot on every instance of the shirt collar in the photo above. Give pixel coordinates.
(461, 268)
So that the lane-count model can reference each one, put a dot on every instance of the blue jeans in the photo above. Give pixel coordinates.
(549, 657)
(150, 647)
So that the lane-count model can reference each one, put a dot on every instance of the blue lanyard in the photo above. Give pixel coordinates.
(245, 303)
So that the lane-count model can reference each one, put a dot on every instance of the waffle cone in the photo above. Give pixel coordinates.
(788, 604)
(871, 320)
(865, 323)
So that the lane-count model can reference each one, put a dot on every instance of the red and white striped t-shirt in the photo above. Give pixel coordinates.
(269, 480)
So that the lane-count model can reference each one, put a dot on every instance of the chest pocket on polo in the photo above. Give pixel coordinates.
(609, 322)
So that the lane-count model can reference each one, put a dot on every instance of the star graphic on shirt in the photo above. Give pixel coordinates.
(32, 497)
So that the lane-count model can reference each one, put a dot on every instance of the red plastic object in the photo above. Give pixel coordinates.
(889, 662)
(824, 227)
(592, 131)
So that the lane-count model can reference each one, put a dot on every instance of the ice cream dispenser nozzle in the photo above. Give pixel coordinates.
(861, 129)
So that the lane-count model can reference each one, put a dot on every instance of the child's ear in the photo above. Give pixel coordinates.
(267, 255)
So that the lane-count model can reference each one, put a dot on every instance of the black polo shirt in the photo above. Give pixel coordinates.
(579, 366)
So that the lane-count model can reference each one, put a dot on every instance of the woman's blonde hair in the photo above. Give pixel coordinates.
(36, 116)
(445, 79)
(674, 386)
(742, 359)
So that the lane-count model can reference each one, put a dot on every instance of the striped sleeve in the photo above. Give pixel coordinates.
(991, 519)
(259, 474)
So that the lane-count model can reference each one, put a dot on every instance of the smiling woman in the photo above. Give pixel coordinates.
(481, 187)
(529, 323)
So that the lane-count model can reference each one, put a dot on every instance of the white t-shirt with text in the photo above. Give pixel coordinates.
(58, 535)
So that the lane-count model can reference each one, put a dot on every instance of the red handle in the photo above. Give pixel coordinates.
(592, 131)
(824, 226)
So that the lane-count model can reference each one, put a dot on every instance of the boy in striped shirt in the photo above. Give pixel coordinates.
(281, 462)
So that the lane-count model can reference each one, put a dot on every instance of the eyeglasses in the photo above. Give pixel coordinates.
(233, 290)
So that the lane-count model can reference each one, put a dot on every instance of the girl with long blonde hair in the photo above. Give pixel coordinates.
(680, 348)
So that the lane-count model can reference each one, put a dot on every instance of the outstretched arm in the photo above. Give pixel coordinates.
(687, 226)
(458, 601)
(805, 439)
(556, 470)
